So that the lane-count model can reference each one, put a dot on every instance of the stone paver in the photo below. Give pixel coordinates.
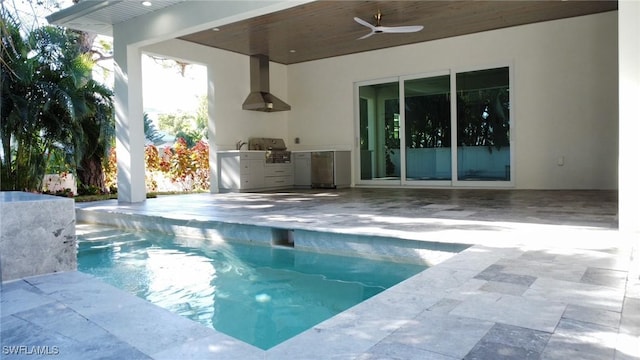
(544, 275)
(510, 342)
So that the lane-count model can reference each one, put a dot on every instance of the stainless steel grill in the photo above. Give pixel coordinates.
(278, 156)
(276, 150)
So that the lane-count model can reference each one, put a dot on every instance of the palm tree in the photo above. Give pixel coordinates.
(98, 131)
(24, 94)
(49, 100)
(89, 127)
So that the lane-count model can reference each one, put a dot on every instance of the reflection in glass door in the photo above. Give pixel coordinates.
(483, 123)
(379, 107)
(427, 112)
(413, 130)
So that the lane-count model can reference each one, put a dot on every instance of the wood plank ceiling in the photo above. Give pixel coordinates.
(324, 29)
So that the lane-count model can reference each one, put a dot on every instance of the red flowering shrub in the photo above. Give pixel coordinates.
(187, 167)
(111, 171)
(200, 165)
(151, 158)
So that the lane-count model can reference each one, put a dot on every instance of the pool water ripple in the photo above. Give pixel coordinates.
(258, 294)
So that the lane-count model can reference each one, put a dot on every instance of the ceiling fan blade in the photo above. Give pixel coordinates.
(366, 36)
(364, 23)
(400, 29)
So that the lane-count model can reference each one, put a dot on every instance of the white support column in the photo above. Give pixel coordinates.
(629, 118)
(129, 122)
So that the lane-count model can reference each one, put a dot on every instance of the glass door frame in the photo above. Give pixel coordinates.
(358, 157)
(454, 130)
(403, 140)
(454, 182)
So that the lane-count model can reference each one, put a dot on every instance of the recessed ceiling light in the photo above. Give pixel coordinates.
(292, 51)
(146, 3)
(215, 29)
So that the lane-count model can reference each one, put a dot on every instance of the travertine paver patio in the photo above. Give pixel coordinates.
(547, 276)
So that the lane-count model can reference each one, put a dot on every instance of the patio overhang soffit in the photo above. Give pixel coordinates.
(309, 30)
(99, 16)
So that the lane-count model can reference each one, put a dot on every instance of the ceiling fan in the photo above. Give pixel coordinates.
(378, 29)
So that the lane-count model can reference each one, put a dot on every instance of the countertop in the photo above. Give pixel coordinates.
(262, 151)
(317, 150)
(239, 151)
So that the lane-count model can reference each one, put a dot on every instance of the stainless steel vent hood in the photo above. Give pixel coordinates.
(260, 99)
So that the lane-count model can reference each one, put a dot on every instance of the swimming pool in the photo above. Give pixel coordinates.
(258, 294)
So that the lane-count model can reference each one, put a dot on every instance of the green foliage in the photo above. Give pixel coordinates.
(191, 127)
(191, 137)
(89, 198)
(176, 122)
(428, 121)
(483, 118)
(89, 190)
(151, 133)
(184, 165)
(49, 102)
(191, 164)
(110, 169)
(483, 108)
(59, 161)
(202, 117)
(98, 132)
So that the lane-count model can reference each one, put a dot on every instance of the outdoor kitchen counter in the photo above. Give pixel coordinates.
(240, 151)
(317, 150)
(248, 170)
(328, 168)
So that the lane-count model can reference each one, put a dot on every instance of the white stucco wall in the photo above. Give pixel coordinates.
(228, 87)
(154, 28)
(565, 87)
(629, 54)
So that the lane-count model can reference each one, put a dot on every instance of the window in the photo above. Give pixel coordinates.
(483, 125)
(427, 113)
(413, 131)
(379, 131)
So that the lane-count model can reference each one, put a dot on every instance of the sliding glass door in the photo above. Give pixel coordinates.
(412, 131)
(379, 107)
(483, 125)
(427, 141)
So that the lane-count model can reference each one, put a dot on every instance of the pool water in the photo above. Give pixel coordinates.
(258, 294)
